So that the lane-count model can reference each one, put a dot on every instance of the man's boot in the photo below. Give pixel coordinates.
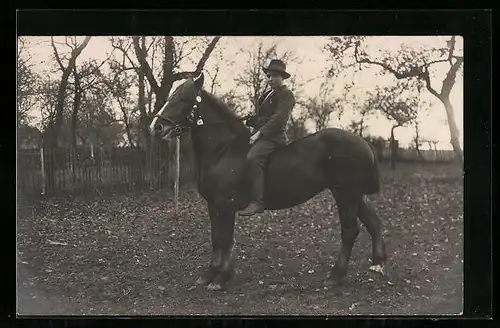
(257, 203)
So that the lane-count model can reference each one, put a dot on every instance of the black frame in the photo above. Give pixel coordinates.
(474, 25)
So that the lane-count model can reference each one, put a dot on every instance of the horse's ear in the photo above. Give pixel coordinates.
(198, 81)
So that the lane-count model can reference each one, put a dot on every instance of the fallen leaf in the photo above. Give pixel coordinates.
(56, 243)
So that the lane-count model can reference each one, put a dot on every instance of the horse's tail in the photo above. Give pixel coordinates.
(373, 185)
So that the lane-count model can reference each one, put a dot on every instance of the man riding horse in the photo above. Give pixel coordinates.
(332, 159)
(274, 109)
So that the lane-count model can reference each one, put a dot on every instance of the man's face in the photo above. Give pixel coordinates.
(275, 79)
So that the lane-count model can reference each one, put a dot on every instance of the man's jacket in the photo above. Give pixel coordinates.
(273, 112)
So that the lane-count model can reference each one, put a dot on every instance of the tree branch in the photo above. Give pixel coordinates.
(56, 54)
(179, 55)
(428, 85)
(126, 122)
(201, 63)
(97, 68)
(168, 59)
(451, 44)
(449, 80)
(141, 57)
(77, 51)
(416, 71)
(125, 54)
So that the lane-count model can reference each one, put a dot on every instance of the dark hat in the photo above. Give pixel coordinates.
(277, 65)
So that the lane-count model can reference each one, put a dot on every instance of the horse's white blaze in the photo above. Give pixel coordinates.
(153, 124)
(155, 120)
(196, 79)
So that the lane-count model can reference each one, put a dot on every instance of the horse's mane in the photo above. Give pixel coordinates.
(222, 108)
(221, 105)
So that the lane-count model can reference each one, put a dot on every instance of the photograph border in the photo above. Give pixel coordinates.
(474, 25)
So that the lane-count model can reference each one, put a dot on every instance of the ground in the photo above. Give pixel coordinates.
(128, 254)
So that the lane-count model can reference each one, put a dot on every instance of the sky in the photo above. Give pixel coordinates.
(309, 70)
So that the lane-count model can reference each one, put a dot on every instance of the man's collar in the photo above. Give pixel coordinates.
(281, 87)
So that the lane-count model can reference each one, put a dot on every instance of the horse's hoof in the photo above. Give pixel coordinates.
(202, 281)
(214, 287)
(336, 275)
(381, 270)
(207, 276)
(378, 268)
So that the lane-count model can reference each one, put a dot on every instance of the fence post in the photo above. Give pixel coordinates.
(43, 171)
(177, 172)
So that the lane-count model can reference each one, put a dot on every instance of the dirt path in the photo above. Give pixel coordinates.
(127, 254)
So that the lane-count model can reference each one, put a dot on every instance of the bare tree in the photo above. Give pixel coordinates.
(408, 64)
(169, 73)
(52, 132)
(214, 73)
(167, 51)
(87, 79)
(417, 141)
(320, 107)
(27, 84)
(397, 107)
(296, 127)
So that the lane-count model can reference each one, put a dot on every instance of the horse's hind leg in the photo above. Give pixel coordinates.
(348, 214)
(372, 222)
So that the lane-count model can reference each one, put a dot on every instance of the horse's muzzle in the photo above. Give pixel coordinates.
(158, 128)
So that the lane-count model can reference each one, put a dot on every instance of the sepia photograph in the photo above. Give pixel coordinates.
(240, 175)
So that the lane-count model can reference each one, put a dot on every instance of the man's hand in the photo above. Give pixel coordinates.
(254, 137)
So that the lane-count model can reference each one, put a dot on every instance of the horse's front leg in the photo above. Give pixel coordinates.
(224, 225)
(209, 274)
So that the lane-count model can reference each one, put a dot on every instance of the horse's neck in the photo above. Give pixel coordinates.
(218, 134)
(206, 140)
(210, 142)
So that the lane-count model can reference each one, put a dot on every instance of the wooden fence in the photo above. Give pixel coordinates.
(429, 155)
(63, 171)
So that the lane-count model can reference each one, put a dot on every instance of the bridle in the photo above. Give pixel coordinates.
(194, 119)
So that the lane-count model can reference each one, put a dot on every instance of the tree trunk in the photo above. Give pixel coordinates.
(417, 142)
(394, 148)
(379, 147)
(142, 108)
(419, 153)
(55, 126)
(74, 121)
(454, 133)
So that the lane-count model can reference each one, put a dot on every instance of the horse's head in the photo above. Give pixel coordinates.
(178, 112)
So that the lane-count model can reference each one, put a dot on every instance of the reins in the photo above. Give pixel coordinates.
(194, 119)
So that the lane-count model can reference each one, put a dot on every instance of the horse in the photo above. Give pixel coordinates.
(332, 159)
